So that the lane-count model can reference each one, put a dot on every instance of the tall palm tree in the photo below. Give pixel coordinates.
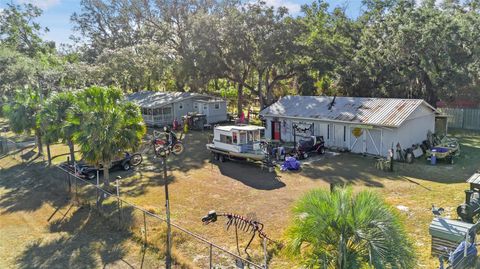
(344, 230)
(107, 125)
(23, 111)
(53, 121)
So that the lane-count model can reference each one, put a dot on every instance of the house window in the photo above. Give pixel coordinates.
(256, 135)
(217, 106)
(344, 133)
(226, 139)
(195, 106)
(180, 105)
(167, 113)
(243, 138)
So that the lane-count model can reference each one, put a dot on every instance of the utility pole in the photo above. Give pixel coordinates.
(168, 260)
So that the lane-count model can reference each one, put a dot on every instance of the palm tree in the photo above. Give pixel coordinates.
(22, 112)
(53, 120)
(344, 230)
(106, 124)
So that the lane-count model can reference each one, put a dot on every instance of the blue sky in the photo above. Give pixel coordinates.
(56, 13)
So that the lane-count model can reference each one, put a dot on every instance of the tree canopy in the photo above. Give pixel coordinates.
(107, 126)
(394, 48)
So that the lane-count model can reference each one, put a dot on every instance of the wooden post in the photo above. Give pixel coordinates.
(168, 260)
(69, 183)
(76, 192)
(119, 205)
(211, 254)
(145, 228)
(98, 194)
(265, 252)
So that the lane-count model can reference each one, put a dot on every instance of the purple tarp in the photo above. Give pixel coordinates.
(439, 149)
(290, 163)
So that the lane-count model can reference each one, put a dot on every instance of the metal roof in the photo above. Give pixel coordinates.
(229, 128)
(213, 100)
(475, 178)
(151, 99)
(451, 230)
(389, 112)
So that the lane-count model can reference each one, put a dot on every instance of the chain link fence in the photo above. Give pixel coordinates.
(190, 250)
(7, 146)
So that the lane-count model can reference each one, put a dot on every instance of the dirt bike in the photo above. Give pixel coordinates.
(162, 148)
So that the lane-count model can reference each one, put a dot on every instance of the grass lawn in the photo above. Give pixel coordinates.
(198, 185)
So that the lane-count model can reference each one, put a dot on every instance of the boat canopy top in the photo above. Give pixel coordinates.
(230, 128)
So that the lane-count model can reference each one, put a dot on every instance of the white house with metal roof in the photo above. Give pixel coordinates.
(358, 124)
(162, 108)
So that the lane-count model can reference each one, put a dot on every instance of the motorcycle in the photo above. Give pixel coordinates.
(163, 149)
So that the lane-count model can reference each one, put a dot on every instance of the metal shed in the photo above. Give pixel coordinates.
(357, 124)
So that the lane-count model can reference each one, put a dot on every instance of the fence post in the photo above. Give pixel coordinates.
(265, 252)
(119, 211)
(98, 193)
(211, 253)
(74, 175)
(69, 183)
(76, 192)
(145, 228)
(119, 204)
(168, 261)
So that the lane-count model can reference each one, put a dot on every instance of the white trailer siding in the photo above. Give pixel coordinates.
(217, 111)
(182, 108)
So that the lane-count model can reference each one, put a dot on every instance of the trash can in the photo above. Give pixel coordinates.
(433, 158)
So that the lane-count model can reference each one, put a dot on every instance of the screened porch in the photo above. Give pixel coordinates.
(157, 116)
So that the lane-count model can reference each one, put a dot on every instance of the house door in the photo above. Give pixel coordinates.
(276, 130)
(197, 107)
(373, 141)
(340, 135)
